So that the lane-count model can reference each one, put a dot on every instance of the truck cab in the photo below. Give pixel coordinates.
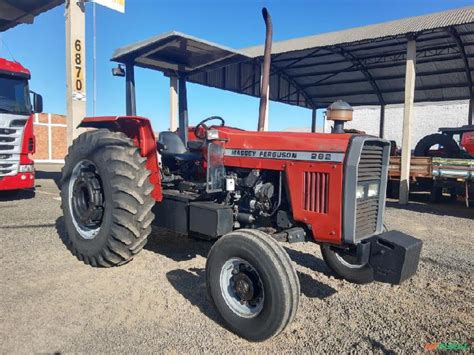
(17, 141)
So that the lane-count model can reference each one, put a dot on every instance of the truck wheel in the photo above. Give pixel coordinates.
(7, 194)
(252, 283)
(450, 147)
(106, 202)
(344, 264)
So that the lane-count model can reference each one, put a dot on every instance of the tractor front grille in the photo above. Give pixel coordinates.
(371, 162)
(365, 181)
(316, 192)
(369, 171)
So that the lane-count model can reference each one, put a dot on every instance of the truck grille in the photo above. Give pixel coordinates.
(316, 192)
(7, 169)
(370, 170)
(10, 145)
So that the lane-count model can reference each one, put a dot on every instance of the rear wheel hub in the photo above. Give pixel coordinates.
(86, 199)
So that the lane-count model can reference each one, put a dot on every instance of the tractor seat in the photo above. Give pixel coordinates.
(171, 145)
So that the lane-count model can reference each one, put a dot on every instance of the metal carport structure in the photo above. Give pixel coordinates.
(364, 65)
(15, 12)
(369, 65)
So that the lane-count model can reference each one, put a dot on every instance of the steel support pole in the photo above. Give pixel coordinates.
(131, 106)
(183, 110)
(75, 67)
(471, 111)
(94, 58)
(382, 121)
(313, 120)
(410, 76)
(173, 103)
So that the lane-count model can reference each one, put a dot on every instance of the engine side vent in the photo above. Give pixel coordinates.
(316, 192)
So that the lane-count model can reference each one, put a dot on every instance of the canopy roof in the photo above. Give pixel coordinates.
(364, 65)
(14, 12)
(175, 52)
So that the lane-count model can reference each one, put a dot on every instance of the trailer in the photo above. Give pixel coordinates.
(436, 175)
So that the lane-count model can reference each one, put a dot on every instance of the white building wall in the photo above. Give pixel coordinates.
(428, 117)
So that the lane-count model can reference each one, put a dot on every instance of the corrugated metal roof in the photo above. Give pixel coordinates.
(363, 66)
(371, 32)
(15, 12)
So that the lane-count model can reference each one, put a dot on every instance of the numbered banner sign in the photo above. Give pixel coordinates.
(78, 92)
(117, 5)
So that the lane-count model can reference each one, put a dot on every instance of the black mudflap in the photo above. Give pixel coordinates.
(394, 256)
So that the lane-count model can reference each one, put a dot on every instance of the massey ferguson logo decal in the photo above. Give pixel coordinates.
(285, 155)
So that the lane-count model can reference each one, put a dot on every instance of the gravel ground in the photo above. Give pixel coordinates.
(50, 302)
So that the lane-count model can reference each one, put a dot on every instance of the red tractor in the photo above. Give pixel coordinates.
(247, 191)
(446, 145)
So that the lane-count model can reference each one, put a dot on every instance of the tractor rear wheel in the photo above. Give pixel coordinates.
(252, 283)
(344, 264)
(106, 202)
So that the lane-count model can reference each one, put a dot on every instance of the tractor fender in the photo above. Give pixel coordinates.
(139, 130)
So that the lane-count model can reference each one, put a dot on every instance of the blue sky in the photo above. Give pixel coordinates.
(233, 23)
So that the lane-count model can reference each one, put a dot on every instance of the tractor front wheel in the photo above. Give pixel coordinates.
(344, 264)
(106, 202)
(252, 283)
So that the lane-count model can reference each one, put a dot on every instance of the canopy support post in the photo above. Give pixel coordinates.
(173, 103)
(183, 110)
(75, 68)
(313, 120)
(462, 51)
(131, 106)
(471, 109)
(410, 76)
(382, 121)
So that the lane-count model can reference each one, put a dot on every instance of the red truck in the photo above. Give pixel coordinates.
(17, 141)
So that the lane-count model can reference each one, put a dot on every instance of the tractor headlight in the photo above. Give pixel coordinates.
(27, 168)
(360, 192)
(373, 190)
(212, 134)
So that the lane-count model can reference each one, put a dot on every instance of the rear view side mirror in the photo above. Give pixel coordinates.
(118, 71)
(37, 101)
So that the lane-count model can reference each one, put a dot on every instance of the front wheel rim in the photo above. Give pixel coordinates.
(242, 288)
(86, 199)
(345, 262)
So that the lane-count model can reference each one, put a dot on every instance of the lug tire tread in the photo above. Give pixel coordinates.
(284, 269)
(130, 197)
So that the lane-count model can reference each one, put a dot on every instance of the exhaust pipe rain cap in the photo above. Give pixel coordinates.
(339, 111)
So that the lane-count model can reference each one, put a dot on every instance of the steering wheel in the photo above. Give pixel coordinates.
(201, 128)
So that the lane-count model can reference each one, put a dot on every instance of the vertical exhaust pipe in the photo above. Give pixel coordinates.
(267, 57)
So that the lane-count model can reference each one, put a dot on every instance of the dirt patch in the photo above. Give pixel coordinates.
(158, 302)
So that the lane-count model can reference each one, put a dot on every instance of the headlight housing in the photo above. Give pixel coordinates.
(373, 190)
(360, 192)
(212, 134)
(27, 168)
